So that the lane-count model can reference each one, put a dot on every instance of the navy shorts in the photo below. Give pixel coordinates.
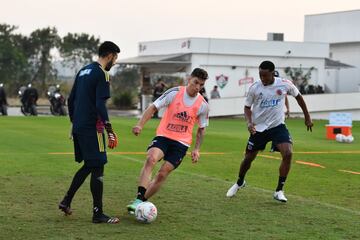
(174, 151)
(91, 149)
(277, 135)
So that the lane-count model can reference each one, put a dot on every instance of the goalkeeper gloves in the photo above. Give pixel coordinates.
(112, 138)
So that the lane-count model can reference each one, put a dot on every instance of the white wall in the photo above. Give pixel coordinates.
(234, 47)
(340, 29)
(331, 80)
(164, 47)
(349, 53)
(332, 27)
(235, 68)
(319, 105)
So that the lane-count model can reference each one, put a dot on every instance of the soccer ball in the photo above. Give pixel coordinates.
(349, 139)
(146, 212)
(340, 137)
(344, 139)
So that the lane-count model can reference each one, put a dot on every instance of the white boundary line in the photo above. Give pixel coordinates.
(256, 188)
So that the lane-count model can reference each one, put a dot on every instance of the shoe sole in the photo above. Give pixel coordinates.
(67, 211)
(242, 186)
(97, 221)
(279, 200)
(130, 211)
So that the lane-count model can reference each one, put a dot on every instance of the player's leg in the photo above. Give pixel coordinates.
(96, 186)
(154, 154)
(159, 179)
(244, 167)
(283, 142)
(78, 178)
(76, 183)
(286, 153)
(255, 143)
(273, 147)
(173, 157)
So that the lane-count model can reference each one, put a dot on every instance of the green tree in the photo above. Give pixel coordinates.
(125, 84)
(298, 76)
(78, 49)
(13, 58)
(42, 41)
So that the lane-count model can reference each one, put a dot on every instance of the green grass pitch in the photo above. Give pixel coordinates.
(37, 166)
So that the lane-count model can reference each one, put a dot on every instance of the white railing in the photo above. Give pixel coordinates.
(319, 105)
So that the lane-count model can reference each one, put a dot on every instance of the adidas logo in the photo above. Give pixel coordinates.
(183, 116)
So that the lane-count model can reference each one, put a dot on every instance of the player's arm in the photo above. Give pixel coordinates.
(163, 101)
(102, 94)
(149, 112)
(308, 122)
(250, 125)
(195, 154)
(292, 90)
(249, 101)
(203, 120)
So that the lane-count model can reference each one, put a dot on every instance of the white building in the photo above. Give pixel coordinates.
(331, 46)
(231, 64)
(340, 29)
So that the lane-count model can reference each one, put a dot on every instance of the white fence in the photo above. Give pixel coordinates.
(319, 105)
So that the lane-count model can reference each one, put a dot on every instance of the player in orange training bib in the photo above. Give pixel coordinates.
(184, 107)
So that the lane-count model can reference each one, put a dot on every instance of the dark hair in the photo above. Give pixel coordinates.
(107, 48)
(267, 65)
(199, 73)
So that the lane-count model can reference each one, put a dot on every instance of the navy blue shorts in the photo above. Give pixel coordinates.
(277, 135)
(174, 151)
(91, 149)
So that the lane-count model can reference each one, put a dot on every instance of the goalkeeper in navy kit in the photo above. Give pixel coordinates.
(89, 117)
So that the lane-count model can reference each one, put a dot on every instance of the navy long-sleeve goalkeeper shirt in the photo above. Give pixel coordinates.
(87, 100)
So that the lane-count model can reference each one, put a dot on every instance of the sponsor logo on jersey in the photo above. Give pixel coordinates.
(260, 96)
(183, 116)
(85, 72)
(176, 128)
(269, 103)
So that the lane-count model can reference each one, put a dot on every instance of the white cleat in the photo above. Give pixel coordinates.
(279, 196)
(234, 188)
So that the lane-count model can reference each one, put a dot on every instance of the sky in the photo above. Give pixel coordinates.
(128, 22)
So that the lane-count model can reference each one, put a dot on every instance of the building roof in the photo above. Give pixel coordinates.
(329, 63)
(160, 63)
(169, 58)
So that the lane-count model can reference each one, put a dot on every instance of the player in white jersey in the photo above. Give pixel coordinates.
(265, 118)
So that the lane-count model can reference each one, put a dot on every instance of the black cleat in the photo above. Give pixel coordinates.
(65, 208)
(102, 218)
